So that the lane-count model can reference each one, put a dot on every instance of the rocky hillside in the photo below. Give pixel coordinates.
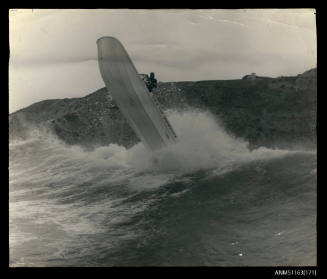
(265, 111)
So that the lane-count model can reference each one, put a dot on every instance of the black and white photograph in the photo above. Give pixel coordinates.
(162, 137)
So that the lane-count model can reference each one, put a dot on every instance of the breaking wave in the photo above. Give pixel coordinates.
(70, 203)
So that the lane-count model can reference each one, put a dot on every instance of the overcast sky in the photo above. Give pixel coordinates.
(53, 53)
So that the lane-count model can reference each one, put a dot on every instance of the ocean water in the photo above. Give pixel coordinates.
(207, 201)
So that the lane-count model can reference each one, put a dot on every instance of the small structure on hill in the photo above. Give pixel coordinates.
(252, 76)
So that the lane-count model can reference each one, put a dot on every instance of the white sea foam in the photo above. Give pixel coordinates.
(203, 143)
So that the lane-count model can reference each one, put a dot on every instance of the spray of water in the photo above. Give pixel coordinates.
(203, 143)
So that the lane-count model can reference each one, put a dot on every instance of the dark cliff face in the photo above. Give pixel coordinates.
(89, 121)
(265, 111)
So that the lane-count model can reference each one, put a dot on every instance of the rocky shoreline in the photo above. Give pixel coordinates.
(271, 112)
